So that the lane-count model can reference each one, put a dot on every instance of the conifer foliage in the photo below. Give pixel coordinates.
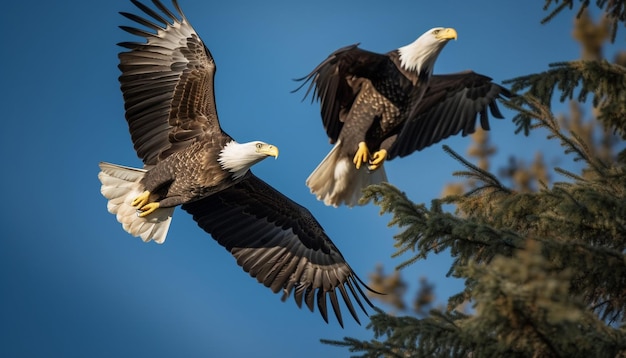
(544, 269)
(603, 80)
(615, 11)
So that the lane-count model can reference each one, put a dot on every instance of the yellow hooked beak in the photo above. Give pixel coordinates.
(447, 34)
(269, 150)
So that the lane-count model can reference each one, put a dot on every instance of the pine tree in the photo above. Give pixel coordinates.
(544, 263)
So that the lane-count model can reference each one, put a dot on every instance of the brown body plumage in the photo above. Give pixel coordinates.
(167, 83)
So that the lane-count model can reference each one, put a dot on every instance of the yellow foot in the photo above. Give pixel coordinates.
(362, 155)
(377, 160)
(141, 200)
(147, 209)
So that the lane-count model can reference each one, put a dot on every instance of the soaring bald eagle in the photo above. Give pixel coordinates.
(376, 107)
(167, 84)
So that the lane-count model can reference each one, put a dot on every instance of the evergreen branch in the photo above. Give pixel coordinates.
(372, 349)
(550, 16)
(543, 336)
(590, 218)
(535, 304)
(433, 230)
(571, 145)
(604, 80)
(569, 175)
(524, 117)
(574, 145)
(405, 336)
(583, 149)
(490, 181)
(615, 11)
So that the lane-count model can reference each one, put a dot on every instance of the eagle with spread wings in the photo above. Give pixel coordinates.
(376, 107)
(168, 87)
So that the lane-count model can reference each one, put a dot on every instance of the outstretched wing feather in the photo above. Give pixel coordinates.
(167, 83)
(452, 104)
(279, 243)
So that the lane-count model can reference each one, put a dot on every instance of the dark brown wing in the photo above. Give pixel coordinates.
(335, 83)
(167, 83)
(451, 105)
(280, 243)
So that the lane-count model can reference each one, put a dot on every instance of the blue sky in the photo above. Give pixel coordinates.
(75, 284)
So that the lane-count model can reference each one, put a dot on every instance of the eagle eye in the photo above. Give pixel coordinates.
(436, 32)
(259, 145)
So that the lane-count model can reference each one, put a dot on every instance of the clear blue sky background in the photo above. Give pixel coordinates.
(74, 284)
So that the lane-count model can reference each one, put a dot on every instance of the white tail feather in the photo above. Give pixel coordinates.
(121, 185)
(336, 180)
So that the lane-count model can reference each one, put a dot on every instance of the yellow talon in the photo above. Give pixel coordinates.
(362, 155)
(142, 200)
(148, 209)
(377, 159)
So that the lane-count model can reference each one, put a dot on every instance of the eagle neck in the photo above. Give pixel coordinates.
(419, 58)
(237, 158)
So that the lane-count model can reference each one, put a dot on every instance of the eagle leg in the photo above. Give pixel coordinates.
(143, 204)
(148, 209)
(377, 160)
(362, 155)
(142, 199)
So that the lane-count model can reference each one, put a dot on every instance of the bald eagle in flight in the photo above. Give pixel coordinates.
(167, 84)
(376, 107)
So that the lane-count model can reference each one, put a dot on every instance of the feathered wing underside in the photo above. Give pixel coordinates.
(167, 83)
(281, 244)
(337, 81)
(451, 105)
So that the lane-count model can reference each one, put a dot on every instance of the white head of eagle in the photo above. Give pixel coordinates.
(237, 158)
(420, 55)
